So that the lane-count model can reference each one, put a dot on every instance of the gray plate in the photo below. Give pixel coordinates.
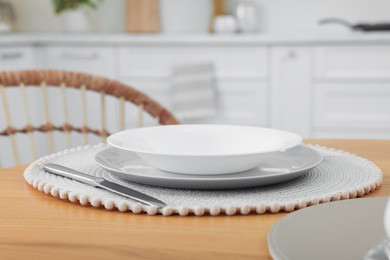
(280, 167)
(347, 229)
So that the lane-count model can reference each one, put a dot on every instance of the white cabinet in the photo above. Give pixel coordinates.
(241, 75)
(94, 60)
(331, 91)
(242, 103)
(18, 58)
(351, 87)
(352, 62)
(291, 89)
(238, 102)
(157, 62)
(315, 88)
(360, 105)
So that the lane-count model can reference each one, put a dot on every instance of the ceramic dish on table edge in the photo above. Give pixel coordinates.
(280, 167)
(204, 149)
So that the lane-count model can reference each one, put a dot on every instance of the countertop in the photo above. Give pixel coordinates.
(13, 39)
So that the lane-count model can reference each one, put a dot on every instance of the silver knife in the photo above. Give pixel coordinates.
(103, 184)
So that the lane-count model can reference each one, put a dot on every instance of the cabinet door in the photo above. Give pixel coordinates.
(157, 62)
(243, 103)
(291, 89)
(17, 58)
(238, 102)
(352, 106)
(94, 60)
(352, 62)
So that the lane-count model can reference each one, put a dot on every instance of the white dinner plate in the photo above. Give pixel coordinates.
(204, 149)
(280, 167)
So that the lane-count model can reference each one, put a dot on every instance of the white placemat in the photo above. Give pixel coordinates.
(340, 176)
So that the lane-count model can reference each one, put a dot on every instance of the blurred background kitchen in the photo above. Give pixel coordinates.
(318, 68)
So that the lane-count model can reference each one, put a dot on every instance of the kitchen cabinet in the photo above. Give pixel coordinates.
(351, 91)
(368, 62)
(332, 91)
(18, 58)
(242, 103)
(344, 106)
(238, 102)
(94, 60)
(241, 75)
(157, 62)
(316, 87)
(291, 89)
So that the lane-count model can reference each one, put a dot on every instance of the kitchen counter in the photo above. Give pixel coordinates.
(193, 39)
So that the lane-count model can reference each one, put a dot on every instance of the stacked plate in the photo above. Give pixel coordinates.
(207, 156)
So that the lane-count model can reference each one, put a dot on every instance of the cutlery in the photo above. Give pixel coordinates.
(103, 184)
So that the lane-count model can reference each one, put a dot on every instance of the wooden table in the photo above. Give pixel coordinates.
(37, 226)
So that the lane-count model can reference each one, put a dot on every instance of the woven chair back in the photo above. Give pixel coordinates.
(82, 84)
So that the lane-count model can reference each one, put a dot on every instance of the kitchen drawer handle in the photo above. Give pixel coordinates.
(80, 56)
(11, 55)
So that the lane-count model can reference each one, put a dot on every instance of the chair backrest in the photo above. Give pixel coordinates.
(83, 83)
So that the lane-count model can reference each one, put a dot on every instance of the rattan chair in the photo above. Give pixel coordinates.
(62, 80)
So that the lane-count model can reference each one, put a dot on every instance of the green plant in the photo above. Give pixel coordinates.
(63, 5)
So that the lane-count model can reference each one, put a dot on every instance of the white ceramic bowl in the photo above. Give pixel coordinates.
(203, 149)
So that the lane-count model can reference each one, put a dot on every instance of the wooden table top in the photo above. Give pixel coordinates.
(34, 225)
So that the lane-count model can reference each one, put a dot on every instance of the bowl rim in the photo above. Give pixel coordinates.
(294, 141)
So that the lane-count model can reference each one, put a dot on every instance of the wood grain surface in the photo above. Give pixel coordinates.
(218, 9)
(37, 226)
(142, 16)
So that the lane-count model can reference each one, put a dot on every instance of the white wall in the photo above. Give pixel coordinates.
(275, 15)
(302, 15)
(38, 16)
